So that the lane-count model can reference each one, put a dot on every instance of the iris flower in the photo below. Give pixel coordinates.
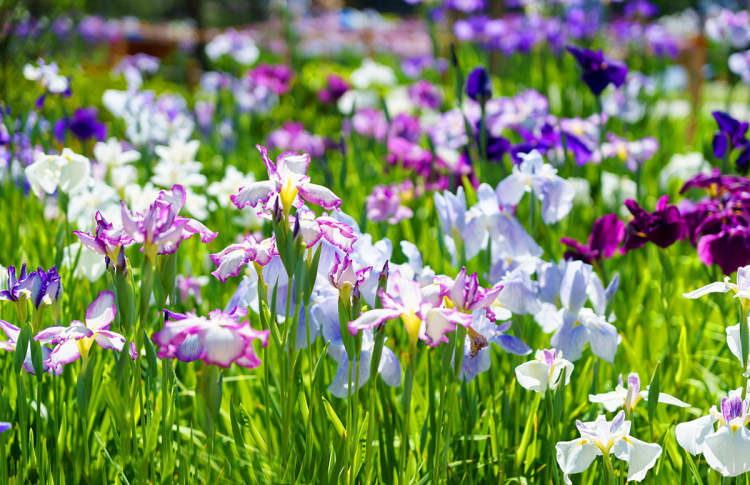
(161, 229)
(4, 427)
(287, 180)
(541, 179)
(606, 235)
(220, 339)
(418, 307)
(479, 336)
(12, 332)
(545, 371)
(598, 71)
(75, 341)
(629, 397)
(602, 437)
(721, 436)
(69, 172)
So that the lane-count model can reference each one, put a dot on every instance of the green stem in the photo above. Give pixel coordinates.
(406, 408)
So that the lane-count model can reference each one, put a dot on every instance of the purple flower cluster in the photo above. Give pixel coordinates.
(293, 137)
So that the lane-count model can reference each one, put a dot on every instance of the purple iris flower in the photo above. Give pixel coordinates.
(106, 240)
(336, 86)
(45, 286)
(598, 71)
(384, 204)
(606, 234)
(731, 136)
(18, 285)
(4, 426)
(729, 248)
(84, 125)
(479, 85)
(161, 230)
(219, 339)
(662, 227)
(426, 95)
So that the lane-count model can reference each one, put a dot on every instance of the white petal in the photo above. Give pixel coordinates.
(102, 311)
(715, 287)
(727, 451)
(641, 456)
(665, 398)
(575, 456)
(690, 435)
(610, 400)
(533, 375)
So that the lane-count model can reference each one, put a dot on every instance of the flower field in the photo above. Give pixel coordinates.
(475, 242)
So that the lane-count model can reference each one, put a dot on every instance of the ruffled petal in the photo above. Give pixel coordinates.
(253, 194)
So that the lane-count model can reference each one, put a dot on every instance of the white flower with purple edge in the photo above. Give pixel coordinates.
(544, 372)
(219, 339)
(629, 397)
(74, 341)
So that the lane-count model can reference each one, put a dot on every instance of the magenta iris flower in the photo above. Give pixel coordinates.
(161, 229)
(74, 341)
(220, 339)
(230, 261)
(598, 71)
(336, 86)
(606, 235)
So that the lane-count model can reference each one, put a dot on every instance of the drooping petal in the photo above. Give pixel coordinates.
(575, 456)
(319, 195)
(728, 451)
(438, 323)
(692, 434)
(665, 399)
(222, 346)
(641, 456)
(390, 368)
(253, 194)
(715, 287)
(612, 400)
(372, 318)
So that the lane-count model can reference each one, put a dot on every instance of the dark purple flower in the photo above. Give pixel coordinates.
(479, 85)
(662, 227)
(45, 286)
(729, 249)
(336, 86)
(83, 124)
(606, 234)
(717, 184)
(106, 240)
(731, 136)
(598, 71)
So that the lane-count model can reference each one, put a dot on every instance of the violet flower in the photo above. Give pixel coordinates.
(384, 204)
(288, 181)
(336, 86)
(276, 78)
(161, 229)
(45, 287)
(479, 85)
(662, 227)
(426, 95)
(219, 339)
(598, 71)
(606, 235)
(84, 125)
(106, 240)
(74, 341)
(4, 427)
(729, 248)
(18, 286)
(481, 333)
(731, 136)
(234, 257)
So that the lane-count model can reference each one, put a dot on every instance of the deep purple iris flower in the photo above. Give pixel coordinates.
(479, 85)
(17, 285)
(662, 227)
(606, 234)
(598, 71)
(83, 124)
(731, 136)
(729, 249)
